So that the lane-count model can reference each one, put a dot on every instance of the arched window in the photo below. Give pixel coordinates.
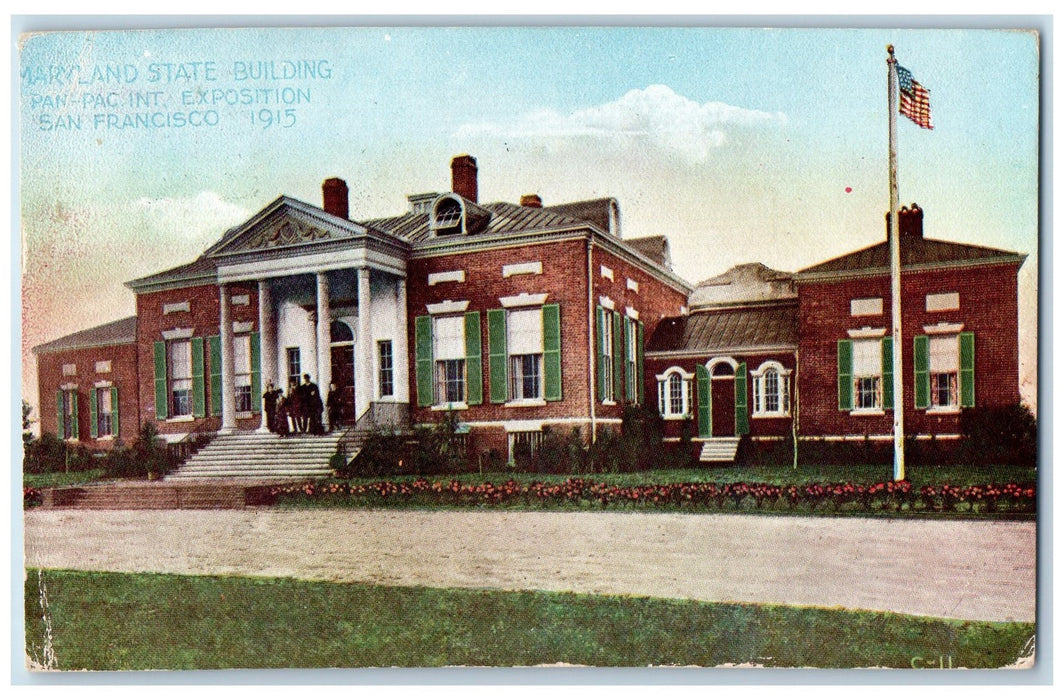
(772, 390)
(340, 332)
(674, 393)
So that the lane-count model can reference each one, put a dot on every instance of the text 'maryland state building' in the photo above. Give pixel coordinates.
(523, 316)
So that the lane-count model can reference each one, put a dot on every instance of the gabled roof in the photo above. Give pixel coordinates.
(595, 211)
(727, 329)
(121, 332)
(916, 252)
(744, 284)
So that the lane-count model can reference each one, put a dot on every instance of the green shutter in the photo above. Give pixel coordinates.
(199, 405)
(93, 425)
(742, 416)
(59, 431)
(639, 349)
(474, 368)
(967, 373)
(114, 411)
(921, 377)
(552, 353)
(497, 355)
(886, 348)
(705, 425)
(423, 364)
(256, 373)
(618, 357)
(215, 343)
(161, 403)
(75, 431)
(629, 377)
(845, 355)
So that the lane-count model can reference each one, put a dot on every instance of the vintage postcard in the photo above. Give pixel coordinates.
(514, 346)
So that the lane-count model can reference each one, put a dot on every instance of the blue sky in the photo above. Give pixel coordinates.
(741, 145)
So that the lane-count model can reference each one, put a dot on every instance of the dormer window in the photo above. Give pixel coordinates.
(447, 217)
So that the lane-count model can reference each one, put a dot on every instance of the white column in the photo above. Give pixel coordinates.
(225, 328)
(324, 336)
(267, 346)
(400, 360)
(364, 360)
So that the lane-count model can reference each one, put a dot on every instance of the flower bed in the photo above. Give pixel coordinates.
(844, 497)
(31, 497)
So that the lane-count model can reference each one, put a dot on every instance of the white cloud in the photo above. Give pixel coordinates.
(655, 116)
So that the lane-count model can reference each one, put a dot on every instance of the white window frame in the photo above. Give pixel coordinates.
(783, 390)
(242, 375)
(874, 379)
(100, 414)
(385, 370)
(518, 361)
(665, 407)
(445, 368)
(180, 383)
(952, 374)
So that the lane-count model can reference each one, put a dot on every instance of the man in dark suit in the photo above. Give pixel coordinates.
(312, 406)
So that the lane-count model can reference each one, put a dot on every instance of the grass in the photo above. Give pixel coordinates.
(112, 621)
(51, 479)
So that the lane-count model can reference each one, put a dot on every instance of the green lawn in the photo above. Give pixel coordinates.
(61, 478)
(111, 621)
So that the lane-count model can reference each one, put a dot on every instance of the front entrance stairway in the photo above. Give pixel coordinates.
(263, 457)
(719, 450)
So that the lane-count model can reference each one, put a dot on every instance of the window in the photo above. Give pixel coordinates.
(867, 374)
(292, 362)
(943, 369)
(674, 392)
(447, 219)
(606, 322)
(104, 412)
(524, 448)
(242, 372)
(449, 353)
(68, 414)
(771, 390)
(180, 378)
(524, 342)
(385, 377)
(631, 374)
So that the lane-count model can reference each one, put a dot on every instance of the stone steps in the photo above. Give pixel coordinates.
(261, 457)
(719, 450)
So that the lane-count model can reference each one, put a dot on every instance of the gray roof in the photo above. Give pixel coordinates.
(728, 329)
(506, 218)
(122, 332)
(654, 248)
(916, 251)
(751, 282)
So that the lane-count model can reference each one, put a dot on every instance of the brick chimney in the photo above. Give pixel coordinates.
(531, 200)
(910, 222)
(464, 176)
(334, 195)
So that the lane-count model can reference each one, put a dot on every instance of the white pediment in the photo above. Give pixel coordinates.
(287, 225)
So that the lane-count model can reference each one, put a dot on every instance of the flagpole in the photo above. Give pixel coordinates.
(895, 269)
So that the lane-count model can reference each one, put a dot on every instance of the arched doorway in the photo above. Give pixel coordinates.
(722, 376)
(342, 346)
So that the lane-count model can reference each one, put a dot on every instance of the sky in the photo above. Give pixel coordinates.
(740, 145)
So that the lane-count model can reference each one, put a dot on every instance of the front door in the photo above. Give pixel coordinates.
(343, 376)
(723, 406)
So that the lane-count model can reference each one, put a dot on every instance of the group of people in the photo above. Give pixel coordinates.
(300, 409)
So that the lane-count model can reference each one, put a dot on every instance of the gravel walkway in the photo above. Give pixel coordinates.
(959, 569)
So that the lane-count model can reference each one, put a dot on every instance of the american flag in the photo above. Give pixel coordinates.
(915, 102)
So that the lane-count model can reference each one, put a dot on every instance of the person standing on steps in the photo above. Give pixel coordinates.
(293, 408)
(312, 405)
(334, 407)
(270, 401)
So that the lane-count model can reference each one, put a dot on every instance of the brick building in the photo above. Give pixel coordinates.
(517, 317)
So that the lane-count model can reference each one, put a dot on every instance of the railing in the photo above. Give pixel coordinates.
(181, 451)
(379, 416)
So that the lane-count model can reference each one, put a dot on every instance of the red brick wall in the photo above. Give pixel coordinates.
(123, 375)
(203, 318)
(653, 301)
(564, 278)
(988, 308)
(759, 427)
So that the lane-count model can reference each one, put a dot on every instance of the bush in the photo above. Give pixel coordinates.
(146, 456)
(1000, 435)
(44, 454)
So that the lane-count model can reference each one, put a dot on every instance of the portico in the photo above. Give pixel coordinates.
(331, 301)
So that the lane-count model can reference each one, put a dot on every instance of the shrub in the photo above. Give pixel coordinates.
(44, 454)
(1000, 435)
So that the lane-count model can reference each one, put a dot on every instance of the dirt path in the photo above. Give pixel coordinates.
(968, 570)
